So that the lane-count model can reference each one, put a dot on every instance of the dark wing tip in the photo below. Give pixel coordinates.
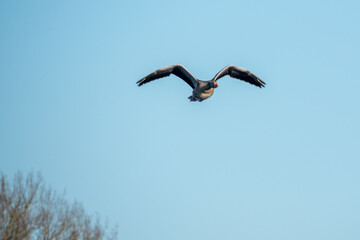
(257, 81)
(261, 84)
(140, 82)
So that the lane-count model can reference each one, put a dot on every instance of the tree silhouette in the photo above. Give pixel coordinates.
(30, 210)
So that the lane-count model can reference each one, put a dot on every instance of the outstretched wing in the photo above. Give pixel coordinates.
(178, 70)
(239, 73)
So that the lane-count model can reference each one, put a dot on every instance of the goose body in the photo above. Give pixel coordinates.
(202, 89)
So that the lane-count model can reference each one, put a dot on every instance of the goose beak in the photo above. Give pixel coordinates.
(216, 84)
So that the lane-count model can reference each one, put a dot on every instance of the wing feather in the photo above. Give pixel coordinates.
(240, 73)
(178, 70)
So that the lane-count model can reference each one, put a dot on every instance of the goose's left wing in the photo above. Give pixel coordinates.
(240, 73)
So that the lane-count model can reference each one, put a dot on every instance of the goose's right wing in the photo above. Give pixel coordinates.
(178, 70)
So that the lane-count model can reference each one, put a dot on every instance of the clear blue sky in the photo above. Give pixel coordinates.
(275, 163)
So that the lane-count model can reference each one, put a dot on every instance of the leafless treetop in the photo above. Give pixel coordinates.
(30, 210)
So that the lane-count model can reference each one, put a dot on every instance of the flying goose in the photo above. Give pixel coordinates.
(202, 89)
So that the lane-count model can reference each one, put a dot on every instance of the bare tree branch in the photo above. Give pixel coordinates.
(30, 210)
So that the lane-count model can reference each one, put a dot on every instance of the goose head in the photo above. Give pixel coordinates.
(213, 84)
